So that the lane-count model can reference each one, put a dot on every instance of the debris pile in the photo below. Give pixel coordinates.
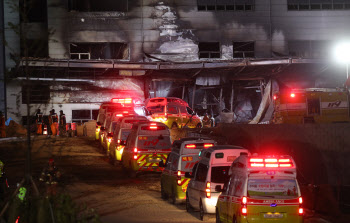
(15, 130)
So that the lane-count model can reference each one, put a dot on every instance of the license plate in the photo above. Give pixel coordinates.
(273, 215)
(155, 160)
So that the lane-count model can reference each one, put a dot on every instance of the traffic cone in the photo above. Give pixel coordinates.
(45, 130)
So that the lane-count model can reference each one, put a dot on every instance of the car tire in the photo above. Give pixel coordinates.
(188, 205)
(202, 216)
(174, 126)
(217, 214)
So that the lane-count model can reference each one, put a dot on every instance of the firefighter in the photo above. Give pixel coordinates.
(50, 175)
(39, 122)
(62, 126)
(53, 119)
(2, 126)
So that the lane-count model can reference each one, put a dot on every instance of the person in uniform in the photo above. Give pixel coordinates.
(39, 122)
(62, 126)
(53, 119)
(50, 175)
(2, 126)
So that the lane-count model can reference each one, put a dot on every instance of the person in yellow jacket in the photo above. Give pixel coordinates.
(2, 126)
(53, 119)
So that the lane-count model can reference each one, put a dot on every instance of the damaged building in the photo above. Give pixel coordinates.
(218, 55)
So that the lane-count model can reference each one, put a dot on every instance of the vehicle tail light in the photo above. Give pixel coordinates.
(292, 95)
(301, 209)
(190, 146)
(244, 206)
(179, 178)
(207, 145)
(207, 190)
(109, 140)
(135, 150)
(118, 141)
(135, 157)
(275, 97)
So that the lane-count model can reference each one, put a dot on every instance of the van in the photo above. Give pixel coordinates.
(130, 106)
(261, 189)
(174, 112)
(120, 134)
(147, 145)
(211, 170)
(183, 156)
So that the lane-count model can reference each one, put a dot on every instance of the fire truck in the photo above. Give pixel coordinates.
(311, 105)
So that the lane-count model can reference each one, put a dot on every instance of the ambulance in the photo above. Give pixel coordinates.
(120, 134)
(174, 112)
(184, 154)
(311, 105)
(122, 106)
(261, 189)
(211, 171)
(147, 145)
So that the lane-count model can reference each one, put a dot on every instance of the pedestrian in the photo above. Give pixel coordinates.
(39, 122)
(2, 126)
(53, 119)
(62, 126)
(50, 175)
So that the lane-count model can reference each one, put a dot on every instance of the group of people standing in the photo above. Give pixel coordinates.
(52, 125)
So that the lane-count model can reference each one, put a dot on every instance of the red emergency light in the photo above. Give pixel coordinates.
(118, 115)
(270, 162)
(153, 127)
(190, 146)
(207, 145)
(292, 95)
(275, 97)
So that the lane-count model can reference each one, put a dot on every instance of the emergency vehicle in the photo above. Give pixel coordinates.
(261, 189)
(120, 134)
(174, 112)
(311, 105)
(130, 106)
(211, 170)
(183, 156)
(148, 144)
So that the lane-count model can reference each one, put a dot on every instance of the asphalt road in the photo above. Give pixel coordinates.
(90, 179)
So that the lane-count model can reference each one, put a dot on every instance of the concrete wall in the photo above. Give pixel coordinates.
(171, 29)
(321, 151)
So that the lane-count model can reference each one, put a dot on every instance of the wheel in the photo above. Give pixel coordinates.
(202, 215)
(173, 197)
(174, 126)
(188, 205)
(163, 195)
(217, 216)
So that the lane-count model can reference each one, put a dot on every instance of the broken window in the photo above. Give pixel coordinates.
(209, 50)
(34, 48)
(98, 6)
(82, 116)
(38, 94)
(318, 4)
(309, 48)
(225, 5)
(243, 49)
(99, 51)
(33, 10)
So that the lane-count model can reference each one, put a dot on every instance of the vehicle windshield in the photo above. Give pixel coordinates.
(272, 188)
(219, 174)
(124, 134)
(154, 142)
(156, 109)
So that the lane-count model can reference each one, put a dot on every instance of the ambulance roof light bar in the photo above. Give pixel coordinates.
(270, 162)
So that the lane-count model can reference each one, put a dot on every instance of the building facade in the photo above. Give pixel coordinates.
(155, 31)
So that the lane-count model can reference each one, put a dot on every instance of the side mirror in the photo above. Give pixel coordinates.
(188, 175)
(218, 188)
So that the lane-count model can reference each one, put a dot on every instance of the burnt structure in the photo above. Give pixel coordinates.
(209, 52)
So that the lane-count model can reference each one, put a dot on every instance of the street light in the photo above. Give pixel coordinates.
(342, 55)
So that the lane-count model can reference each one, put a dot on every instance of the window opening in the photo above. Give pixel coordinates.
(225, 5)
(99, 51)
(98, 6)
(39, 94)
(294, 5)
(209, 50)
(243, 49)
